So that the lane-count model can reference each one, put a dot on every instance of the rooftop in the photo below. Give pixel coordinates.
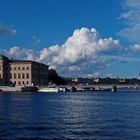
(20, 61)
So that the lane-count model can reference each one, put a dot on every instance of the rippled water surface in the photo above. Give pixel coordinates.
(72, 116)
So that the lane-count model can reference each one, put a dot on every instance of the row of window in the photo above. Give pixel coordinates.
(19, 75)
(19, 68)
(21, 83)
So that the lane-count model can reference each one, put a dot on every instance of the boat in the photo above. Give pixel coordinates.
(88, 89)
(49, 89)
(1, 90)
(114, 89)
(63, 89)
(102, 89)
(29, 89)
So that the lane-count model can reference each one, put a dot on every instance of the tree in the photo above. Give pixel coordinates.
(55, 78)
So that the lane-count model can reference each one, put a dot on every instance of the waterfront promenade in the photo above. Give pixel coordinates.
(78, 87)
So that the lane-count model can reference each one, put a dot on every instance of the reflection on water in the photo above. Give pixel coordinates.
(99, 116)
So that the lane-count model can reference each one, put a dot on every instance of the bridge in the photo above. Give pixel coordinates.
(103, 86)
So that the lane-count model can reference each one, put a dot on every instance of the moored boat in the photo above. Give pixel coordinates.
(29, 89)
(1, 90)
(49, 89)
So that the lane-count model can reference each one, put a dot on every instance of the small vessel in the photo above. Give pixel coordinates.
(1, 90)
(88, 89)
(102, 89)
(63, 89)
(49, 89)
(29, 89)
(114, 89)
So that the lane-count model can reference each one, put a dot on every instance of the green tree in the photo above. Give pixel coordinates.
(55, 78)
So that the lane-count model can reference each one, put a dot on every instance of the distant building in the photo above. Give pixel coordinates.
(139, 76)
(22, 72)
(121, 81)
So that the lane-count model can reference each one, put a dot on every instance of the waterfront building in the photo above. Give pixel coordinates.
(138, 77)
(22, 72)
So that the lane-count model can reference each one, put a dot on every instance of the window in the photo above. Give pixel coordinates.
(19, 82)
(23, 75)
(27, 82)
(14, 75)
(27, 68)
(23, 83)
(18, 68)
(19, 75)
(27, 75)
(23, 68)
(14, 68)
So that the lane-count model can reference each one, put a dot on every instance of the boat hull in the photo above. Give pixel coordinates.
(49, 90)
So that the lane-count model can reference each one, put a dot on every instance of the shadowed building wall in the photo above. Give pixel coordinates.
(4, 70)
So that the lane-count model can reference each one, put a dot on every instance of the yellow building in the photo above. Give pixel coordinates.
(22, 72)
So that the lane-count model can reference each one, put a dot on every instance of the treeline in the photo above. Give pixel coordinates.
(54, 78)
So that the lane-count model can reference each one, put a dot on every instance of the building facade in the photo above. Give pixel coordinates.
(22, 72)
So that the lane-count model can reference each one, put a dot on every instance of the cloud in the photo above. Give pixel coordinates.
(35, 40)
(131, 19)
(18, 52)
(84, 53)
(7, 31)
(135, 48)
(125, 58)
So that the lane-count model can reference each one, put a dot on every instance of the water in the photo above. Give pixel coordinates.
(78, 116)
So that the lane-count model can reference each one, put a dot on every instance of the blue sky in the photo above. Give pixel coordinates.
(60, 33)
(54, 20)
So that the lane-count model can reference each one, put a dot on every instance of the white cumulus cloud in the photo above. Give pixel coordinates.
(83, 53)
(18, 52)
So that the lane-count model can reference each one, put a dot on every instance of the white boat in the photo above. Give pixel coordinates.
(49, 89)
(63, 89)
